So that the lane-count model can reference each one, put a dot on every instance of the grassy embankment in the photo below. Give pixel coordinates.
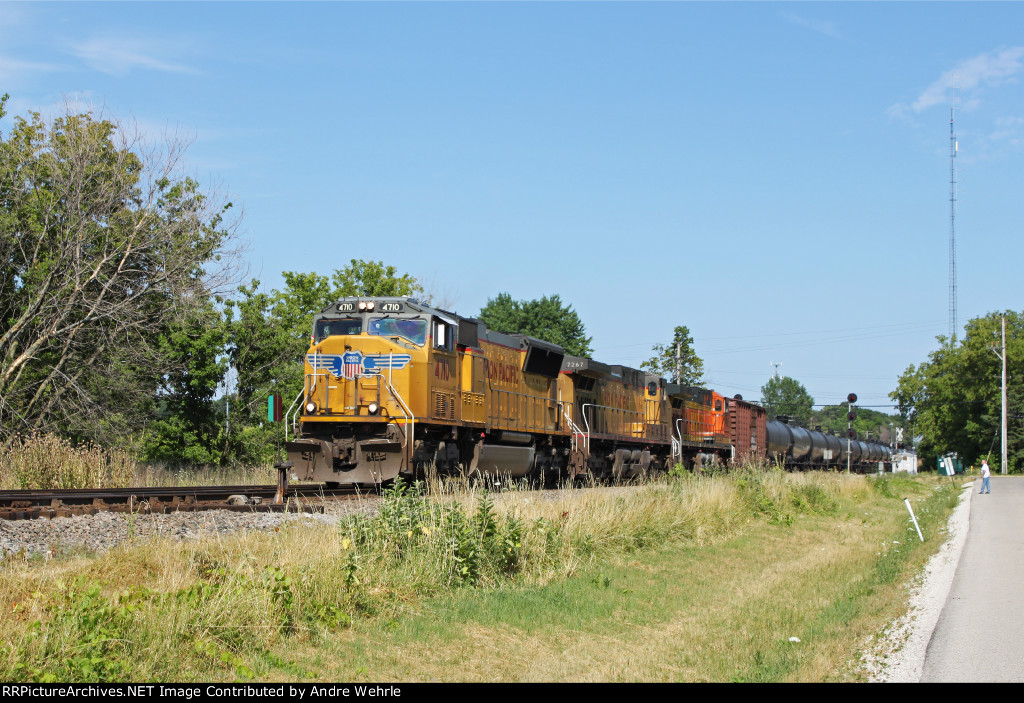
(690, 579)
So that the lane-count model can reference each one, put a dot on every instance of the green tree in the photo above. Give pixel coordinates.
(677, 360)
(867, 422)
(953, 400)
(783, 395)
(189, 429)
(373, 278)
(103, 248)
(547, 319)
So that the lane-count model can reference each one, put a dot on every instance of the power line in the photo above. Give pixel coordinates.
(919, 326)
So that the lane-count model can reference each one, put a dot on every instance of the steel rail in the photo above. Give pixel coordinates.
(30, 504)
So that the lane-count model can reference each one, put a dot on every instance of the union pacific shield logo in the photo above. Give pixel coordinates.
(354, 363)
(351, 363)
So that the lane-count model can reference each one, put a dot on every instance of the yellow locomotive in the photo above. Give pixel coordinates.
(396, 387)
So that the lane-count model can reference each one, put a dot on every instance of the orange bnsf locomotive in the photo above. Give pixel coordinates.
(396, 387)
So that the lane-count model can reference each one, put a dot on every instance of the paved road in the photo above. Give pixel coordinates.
(980, 633)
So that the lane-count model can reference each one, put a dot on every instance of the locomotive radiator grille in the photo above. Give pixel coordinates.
(443, 405)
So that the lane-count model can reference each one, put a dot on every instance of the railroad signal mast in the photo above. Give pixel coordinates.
(850, 417)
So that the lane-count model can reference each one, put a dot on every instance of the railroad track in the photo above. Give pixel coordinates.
(28, 505)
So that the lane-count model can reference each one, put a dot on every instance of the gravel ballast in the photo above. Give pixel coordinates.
(99, 532)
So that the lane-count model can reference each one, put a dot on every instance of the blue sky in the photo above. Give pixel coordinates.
(775, 176)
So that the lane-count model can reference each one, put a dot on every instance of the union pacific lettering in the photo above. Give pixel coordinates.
(616, 397)
(499, 372)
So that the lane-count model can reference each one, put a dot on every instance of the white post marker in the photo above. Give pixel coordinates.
(906, 501)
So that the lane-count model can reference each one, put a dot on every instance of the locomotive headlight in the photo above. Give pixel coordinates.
(372, 408)
(370, 305)
(362, 304)
(310, 407)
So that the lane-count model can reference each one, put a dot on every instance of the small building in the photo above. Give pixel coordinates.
(904, 460)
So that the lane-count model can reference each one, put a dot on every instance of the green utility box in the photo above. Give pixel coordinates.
(949, 465)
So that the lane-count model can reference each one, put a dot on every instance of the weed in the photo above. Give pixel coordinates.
(882, 485)
(813, 498)
(280, 587)
(86, 639)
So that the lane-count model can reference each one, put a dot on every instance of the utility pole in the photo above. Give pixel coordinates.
(850, 400)
(1005, 460)
(772, 363)
(953, 148)
(1002, 358)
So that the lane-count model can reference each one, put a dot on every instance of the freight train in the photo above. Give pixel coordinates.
(395, 387)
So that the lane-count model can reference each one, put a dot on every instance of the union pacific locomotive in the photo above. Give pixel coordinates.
(397, 387)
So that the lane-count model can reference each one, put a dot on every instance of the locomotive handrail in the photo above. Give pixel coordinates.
(410, 418)
(574, 428)
(532, 400)
(308, 392)
(586, 420)
(293, 416)
(677, 440)
(655, 428)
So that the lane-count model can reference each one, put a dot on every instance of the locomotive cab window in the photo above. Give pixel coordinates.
(442, 334)
(331, 328)
(414, 331)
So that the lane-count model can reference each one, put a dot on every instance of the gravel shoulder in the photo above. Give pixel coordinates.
(897, 655)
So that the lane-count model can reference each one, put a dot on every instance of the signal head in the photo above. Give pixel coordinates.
(852, 398)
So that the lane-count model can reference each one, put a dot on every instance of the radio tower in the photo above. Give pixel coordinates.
(952, 221)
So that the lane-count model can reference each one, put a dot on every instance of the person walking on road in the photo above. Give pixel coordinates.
(985, 473)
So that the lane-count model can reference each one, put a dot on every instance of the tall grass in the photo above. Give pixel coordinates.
(239, 607)
(234, 475)
(42, 461)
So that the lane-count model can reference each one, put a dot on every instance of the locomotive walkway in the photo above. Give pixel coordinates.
(980, 633)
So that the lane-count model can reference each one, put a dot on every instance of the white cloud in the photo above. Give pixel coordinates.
(14, 69)
(119, 56)
(1008, 130)
(826, 27)
(970, 75)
